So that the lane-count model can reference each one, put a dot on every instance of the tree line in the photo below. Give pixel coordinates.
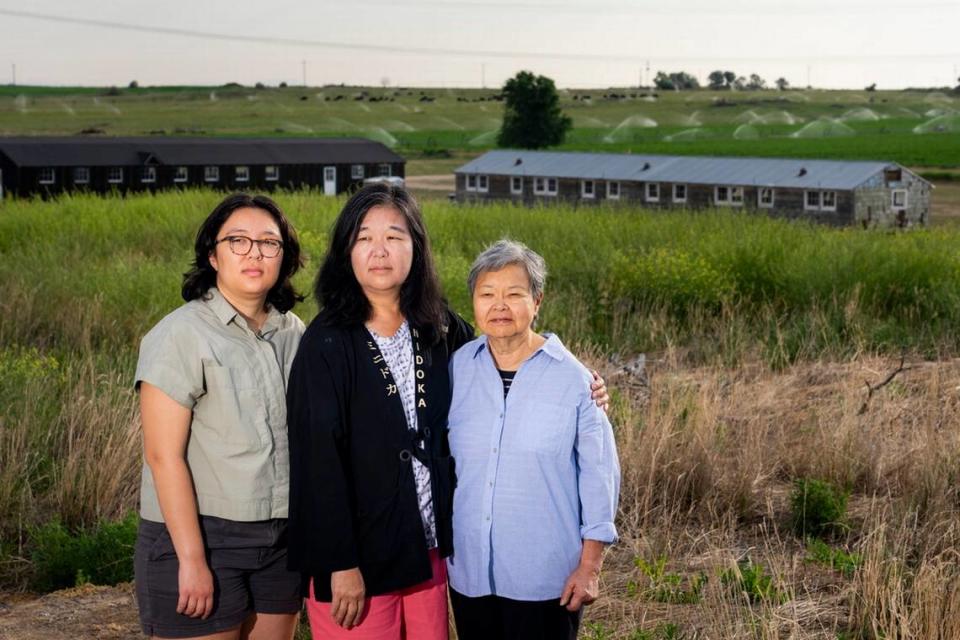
(717, 80)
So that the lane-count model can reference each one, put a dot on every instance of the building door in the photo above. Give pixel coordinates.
(329, 181)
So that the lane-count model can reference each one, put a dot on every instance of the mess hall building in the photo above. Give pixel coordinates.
(834, 192)
(48, 166)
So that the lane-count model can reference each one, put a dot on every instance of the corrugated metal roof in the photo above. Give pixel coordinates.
(777, 172)
(69, 152)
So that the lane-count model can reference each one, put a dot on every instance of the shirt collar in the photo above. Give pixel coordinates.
(552, 347)
(227, 314)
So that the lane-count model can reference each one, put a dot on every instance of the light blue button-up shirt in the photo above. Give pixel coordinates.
(537, 473)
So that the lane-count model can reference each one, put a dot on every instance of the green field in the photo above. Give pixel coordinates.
(916, 128)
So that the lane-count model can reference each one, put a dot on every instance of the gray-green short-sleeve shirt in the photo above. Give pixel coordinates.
(205, 357)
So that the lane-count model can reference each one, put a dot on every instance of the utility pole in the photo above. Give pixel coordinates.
(483, 75)
(14, 74)
(808, 77)
(303, 63)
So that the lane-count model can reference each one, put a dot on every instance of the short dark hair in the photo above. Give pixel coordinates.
(342, 301)
(201, 276)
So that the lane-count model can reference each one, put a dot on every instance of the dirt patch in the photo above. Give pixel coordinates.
(97, 613)
(444, 182)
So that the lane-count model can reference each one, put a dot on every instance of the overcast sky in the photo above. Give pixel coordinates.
(579, 43)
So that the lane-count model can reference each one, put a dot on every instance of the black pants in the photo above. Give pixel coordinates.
(497, 618)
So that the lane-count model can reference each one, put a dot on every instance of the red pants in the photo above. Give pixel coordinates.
(418, 612)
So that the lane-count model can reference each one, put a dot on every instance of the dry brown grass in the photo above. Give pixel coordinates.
(707, 472)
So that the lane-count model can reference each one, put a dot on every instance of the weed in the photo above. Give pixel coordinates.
(750, 581)
(817, 507)
(664, 586)
(835, 558)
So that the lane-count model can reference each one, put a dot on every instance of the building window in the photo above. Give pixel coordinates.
(271, 172)
(765, 197)
(115, 175)
(587, 189)
(516, 185)
(241, 174)
(811, 200)
(148, 175)
(613, 190)
(736, 195)
(385, 170)
(356, 172)
(653, 192)
(721, 195)
(900, 198)
(181, 174)
(483, 184)
(679, 193)
(471, 183)
(545, 186)
(828, 200)
(211, 174)
(81, 175)
(48, 175)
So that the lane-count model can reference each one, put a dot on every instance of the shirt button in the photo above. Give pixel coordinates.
(488, 518)
(494, 449)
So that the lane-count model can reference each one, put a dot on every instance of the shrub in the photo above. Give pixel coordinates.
(817, 507)
(102, 555)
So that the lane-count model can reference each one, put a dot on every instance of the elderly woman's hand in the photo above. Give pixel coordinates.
(583, 585)
(598, 390)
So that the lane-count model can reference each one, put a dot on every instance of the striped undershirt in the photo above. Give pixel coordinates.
(507, 378)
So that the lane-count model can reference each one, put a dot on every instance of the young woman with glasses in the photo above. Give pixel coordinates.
(211, 552)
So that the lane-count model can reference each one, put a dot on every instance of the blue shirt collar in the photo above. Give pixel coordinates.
(552, 347)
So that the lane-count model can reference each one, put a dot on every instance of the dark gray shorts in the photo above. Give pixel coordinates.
(249, 565)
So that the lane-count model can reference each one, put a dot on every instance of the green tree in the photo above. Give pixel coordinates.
(756, 83)
(663, 82)
(782, 84)
(532, 118)
(717, 80)
(729, 77)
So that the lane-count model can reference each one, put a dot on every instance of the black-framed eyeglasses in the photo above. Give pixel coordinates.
(241, 246)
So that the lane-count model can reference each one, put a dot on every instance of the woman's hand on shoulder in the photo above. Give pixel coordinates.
(598, 389)
(347, 603)
(195, 583)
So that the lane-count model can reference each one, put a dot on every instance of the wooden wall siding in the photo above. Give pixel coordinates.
(852, 206)
(24, 182)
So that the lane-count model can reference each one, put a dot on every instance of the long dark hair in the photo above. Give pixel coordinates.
(341, 299)
(201, 276)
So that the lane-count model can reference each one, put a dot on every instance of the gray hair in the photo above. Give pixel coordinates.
(505, 252)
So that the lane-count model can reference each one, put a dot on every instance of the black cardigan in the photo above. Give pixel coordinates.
(353, 497)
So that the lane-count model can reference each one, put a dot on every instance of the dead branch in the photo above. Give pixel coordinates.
(873, 388)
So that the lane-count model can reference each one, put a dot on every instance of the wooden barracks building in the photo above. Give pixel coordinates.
(51, 165)
(834, 192)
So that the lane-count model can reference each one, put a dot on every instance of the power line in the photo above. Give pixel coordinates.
(462, 53)
(688, 10)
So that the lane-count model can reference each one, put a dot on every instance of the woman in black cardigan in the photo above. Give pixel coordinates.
(371, 477)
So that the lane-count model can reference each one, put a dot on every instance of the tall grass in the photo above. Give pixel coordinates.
(85, 272)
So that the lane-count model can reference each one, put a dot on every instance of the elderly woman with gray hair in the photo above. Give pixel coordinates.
(538, 475)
